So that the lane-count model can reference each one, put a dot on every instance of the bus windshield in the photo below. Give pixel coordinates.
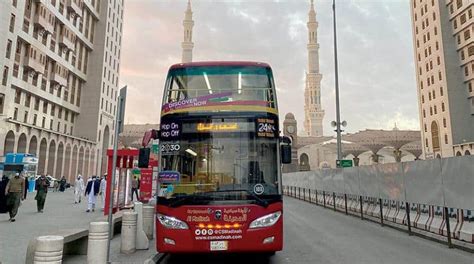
(220, 85)
(218, 162)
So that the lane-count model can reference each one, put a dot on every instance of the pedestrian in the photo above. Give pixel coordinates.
(62, 184)
(3, 196)
(92, 190)
(42, 184)
(14, 191)
(78, 189)
(103, 187)
(135, 187)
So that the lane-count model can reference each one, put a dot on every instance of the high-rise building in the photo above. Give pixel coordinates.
(60, 61)
(187, 43)
(443, 37)
(314, 114)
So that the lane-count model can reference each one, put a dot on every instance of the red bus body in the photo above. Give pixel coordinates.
(240, 239)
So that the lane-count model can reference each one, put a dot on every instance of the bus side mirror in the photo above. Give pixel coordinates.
(285, 150)
(143, 157)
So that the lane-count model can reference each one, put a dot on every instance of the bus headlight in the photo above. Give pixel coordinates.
(265, 221)
(171, 222)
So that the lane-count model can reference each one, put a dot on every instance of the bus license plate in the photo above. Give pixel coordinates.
(218, 245)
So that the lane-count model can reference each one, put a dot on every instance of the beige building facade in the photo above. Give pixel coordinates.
(443, 35)
(60, 62)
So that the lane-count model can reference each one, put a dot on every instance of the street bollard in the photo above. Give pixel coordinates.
(129, 232)
(49, 249)
(148, 221)
(97, 242)
(142, 239)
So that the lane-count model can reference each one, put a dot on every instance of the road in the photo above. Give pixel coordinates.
(317, 235)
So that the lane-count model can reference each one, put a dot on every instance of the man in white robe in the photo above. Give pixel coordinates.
(92, 190)
(78, 189)
(103, 187)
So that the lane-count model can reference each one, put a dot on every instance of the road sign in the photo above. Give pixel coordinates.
(344, 163)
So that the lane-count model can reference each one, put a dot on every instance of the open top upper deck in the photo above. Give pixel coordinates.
(219, 86)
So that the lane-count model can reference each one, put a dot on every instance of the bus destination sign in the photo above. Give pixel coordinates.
(267, 128)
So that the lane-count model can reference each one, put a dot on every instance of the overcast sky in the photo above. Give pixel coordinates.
(376, 67)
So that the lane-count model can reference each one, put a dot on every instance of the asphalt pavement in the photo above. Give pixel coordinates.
(317, 235)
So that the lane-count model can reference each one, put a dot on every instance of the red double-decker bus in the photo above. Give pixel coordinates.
(221, 154)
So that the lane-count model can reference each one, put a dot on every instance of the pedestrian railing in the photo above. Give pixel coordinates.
(424, 197)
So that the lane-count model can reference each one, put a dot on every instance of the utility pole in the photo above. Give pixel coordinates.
(119, 120)
(338, 111)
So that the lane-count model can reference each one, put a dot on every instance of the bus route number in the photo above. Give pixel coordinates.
(266, 127)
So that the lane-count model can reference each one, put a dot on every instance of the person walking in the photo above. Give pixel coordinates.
(62, 184)
(103, 187)
(135, 187)
(15, 191)
(3, 195)
(78, 189)
(92, 190)
(42, 184)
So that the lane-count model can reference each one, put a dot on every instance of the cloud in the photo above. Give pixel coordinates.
(376, 67)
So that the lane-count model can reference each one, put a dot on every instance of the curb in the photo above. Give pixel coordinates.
(155, 259)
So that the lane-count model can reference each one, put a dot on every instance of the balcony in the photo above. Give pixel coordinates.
(41, 20)
(58, 78)
(66, 42)
(33, 64)
(74, 7)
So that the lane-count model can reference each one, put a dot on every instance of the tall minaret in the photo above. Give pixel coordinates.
(187, 43)
(314, 114)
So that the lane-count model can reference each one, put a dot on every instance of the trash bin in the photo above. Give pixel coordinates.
(31, 185)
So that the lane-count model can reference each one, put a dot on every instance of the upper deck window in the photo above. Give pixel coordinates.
(223, 84)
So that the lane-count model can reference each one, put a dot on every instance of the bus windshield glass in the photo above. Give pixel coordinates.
(219, 157)
(207, 86)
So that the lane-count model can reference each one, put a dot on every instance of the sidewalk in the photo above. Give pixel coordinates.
(60, 212)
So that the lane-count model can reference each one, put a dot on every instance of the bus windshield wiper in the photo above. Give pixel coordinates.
(257, 199)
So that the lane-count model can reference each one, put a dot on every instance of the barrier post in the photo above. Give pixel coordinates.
(448, 229)
(129, 232)
(345, 203)
(309, 194)
(299, 193)
(97, 242)
(49, 249)
(407, 208)
(316, 195)
(381, 212)
(304, 194)
(361, 208)
(324, 199)
(334, 200)
(148, 221)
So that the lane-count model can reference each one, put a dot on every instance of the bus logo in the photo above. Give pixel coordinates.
(218, 215)
(258, 189)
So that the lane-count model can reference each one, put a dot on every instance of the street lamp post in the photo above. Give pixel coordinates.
(338, 111)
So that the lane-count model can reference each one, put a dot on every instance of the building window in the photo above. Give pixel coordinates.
(445, 139)
(9, 49)
(467, 34)
(17, 96)
(15, 113)
(25, 117)
(442, 107)
(51, 124)
(426, 128)
(43, 123)
(5, 76)
(2, 102)
(444, 122)
(426, 142)
(12, 23)
(435, 136)
(45, 107)
(27, 100)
